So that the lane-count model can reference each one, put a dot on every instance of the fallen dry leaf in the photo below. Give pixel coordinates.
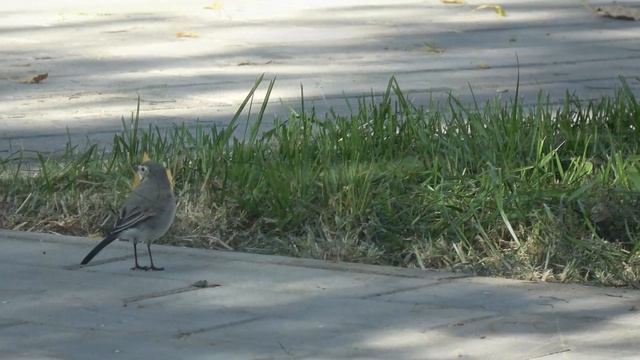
(618, 12)
(248, 63)
(452, 1)
(64, 224)
(216, 5)
(186, 34)
(38, 78)
(497, 8)
(432, 48)
(200, 284)
(484, 66)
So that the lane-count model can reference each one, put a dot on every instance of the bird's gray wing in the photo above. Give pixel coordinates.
(130, 217)
(127, 218)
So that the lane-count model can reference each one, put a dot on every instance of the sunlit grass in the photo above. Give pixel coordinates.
(547, 192)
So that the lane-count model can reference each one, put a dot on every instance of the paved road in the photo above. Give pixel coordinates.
(269, 307)
(189, 62)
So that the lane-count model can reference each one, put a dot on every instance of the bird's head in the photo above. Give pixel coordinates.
(151, 169)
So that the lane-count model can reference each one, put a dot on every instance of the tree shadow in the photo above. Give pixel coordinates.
(99, 65)
(276, 307)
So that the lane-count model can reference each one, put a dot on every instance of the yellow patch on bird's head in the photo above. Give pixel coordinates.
(136, 180)
(136, 176)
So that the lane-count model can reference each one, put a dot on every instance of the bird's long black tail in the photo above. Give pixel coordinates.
(108, 240)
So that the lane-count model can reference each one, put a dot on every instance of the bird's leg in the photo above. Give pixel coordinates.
(152, 267)
(135, 257)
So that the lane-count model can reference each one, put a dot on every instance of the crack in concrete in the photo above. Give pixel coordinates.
(440, 281)
(464, 322)
(163, 293)
(549, 354)
(396, 291)
(185, 334)
(13, 323)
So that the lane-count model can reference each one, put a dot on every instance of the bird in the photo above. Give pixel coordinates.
(146, 214)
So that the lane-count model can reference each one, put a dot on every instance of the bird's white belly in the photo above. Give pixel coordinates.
(132, 234)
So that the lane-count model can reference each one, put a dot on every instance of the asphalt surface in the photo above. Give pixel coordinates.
(194, 61)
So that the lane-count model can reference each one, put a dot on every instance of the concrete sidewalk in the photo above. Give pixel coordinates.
(269, 307)
(195, 60)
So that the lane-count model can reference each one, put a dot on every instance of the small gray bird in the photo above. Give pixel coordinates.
(146, 215)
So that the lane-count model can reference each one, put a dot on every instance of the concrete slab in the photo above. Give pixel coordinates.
(271, 307)
(194, 61)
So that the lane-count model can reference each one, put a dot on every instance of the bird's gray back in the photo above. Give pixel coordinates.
(162, 204)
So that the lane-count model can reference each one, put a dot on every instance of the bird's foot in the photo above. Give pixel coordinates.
(138, 267)
(153, 268)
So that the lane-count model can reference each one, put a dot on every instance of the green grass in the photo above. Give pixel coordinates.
(544, 192)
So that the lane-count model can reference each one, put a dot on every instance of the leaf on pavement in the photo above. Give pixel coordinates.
(186, 34)
(38, 78)
(216, 5)
(432, 48)
(497, 8)
(618, 12)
